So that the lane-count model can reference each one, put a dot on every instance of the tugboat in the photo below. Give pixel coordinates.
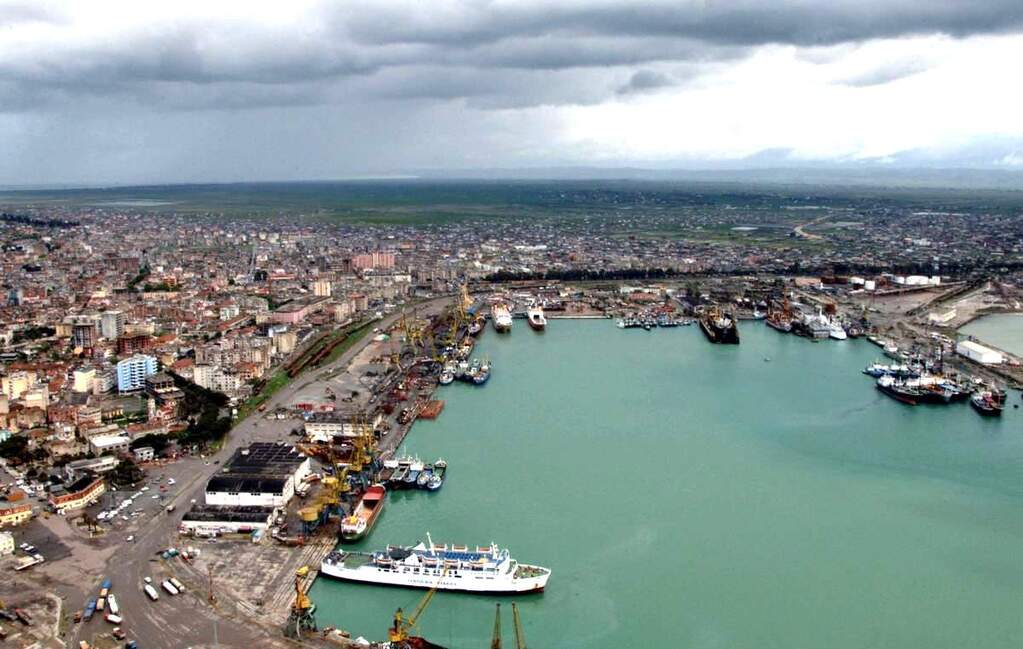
(719, 327)
(537, 320)
(989, 403)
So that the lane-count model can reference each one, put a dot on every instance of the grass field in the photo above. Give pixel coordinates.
(427, 202)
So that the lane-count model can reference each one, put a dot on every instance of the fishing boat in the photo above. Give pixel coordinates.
(440, 469)
(487, 569)
(447, 377)
(424, 477)
(400, 473)
(899, 391)
(482, 373)
(413, 473)
(989, 403)
(891, 350)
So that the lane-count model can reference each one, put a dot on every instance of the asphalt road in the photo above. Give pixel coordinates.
(183, 621)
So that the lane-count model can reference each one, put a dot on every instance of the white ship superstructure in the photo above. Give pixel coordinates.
(502, 317)
(427, 565)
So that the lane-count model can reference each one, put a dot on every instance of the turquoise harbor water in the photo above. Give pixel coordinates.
(1003, 330)
(698, 496)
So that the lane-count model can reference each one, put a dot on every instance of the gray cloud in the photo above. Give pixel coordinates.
(887, 73)
(645, 81)
(465, 49)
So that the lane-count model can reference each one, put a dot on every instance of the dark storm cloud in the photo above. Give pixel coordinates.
(645, 81)
(731, 22)
(358, 45)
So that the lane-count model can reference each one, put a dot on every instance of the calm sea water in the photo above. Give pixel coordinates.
(1003, 330)
(699, 496)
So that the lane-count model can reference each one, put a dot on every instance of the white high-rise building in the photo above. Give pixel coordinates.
(132, 372)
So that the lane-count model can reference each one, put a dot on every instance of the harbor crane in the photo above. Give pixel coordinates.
(301, 618)
(495, 639)
(401, 630)
(520, 636)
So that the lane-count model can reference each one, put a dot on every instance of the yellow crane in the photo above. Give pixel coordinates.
(301, 618)
(403, 625)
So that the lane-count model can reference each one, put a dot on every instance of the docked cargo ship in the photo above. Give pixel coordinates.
(428, 565)
(365, 514)
(537, 320)
(502, 317)
(719, 327)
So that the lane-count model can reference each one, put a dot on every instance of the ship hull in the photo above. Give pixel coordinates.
(368, 511)
(463, 582)
(537, 326)
(719, 335)
(898, 396)
(778, 326)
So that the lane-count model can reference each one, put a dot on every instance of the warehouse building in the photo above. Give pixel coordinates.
(262, 475)
(324, 427)
(979, 353)
(210, 520)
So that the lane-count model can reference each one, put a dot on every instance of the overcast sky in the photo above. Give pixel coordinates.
(126, 92)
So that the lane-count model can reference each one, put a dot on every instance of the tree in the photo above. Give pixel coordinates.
(126, 473)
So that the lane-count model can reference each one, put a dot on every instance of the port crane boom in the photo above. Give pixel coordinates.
(403, 625)
(495, 639)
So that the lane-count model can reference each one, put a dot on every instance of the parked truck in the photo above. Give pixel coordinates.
(153, 595)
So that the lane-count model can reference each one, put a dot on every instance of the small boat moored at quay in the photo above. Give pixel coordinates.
(440, 469)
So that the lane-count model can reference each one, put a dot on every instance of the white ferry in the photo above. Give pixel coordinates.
(447, 567)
